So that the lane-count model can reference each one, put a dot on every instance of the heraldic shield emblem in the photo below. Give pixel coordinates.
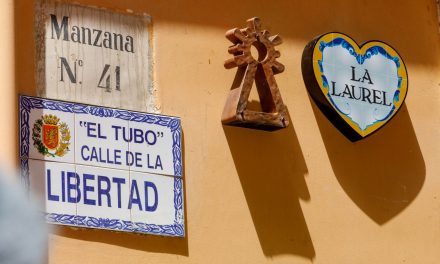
(51, 137)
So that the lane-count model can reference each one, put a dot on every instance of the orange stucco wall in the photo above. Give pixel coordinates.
(300, 195)
(8, 135)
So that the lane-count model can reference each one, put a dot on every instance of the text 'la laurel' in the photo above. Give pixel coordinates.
(372, 96)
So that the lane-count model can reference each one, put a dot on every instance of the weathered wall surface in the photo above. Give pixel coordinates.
(299, 195)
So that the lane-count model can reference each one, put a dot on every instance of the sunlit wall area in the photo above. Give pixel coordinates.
(303, 194)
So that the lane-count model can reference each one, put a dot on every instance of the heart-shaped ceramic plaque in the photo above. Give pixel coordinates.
(359, 89)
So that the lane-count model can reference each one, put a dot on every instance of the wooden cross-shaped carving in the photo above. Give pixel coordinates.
(262, 69)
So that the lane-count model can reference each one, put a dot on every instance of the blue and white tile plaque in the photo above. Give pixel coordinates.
(104, 168)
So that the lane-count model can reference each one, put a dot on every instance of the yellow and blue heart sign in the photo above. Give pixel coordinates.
(359, 89)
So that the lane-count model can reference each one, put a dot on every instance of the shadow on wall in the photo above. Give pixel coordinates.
(297, 19)
(160, 244)
(383, 173)
(293, 20)
(271, 168)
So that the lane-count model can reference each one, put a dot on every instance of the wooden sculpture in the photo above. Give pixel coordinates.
(262, 69)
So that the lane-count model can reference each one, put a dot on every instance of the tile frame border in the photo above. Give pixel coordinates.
(27, 103)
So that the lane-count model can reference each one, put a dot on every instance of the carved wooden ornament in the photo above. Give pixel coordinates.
(262, 70)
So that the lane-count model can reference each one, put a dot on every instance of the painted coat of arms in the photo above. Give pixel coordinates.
(51, 137)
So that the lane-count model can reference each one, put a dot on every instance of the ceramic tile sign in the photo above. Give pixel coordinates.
(94, 56)
(102, 167)
(358, 88)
